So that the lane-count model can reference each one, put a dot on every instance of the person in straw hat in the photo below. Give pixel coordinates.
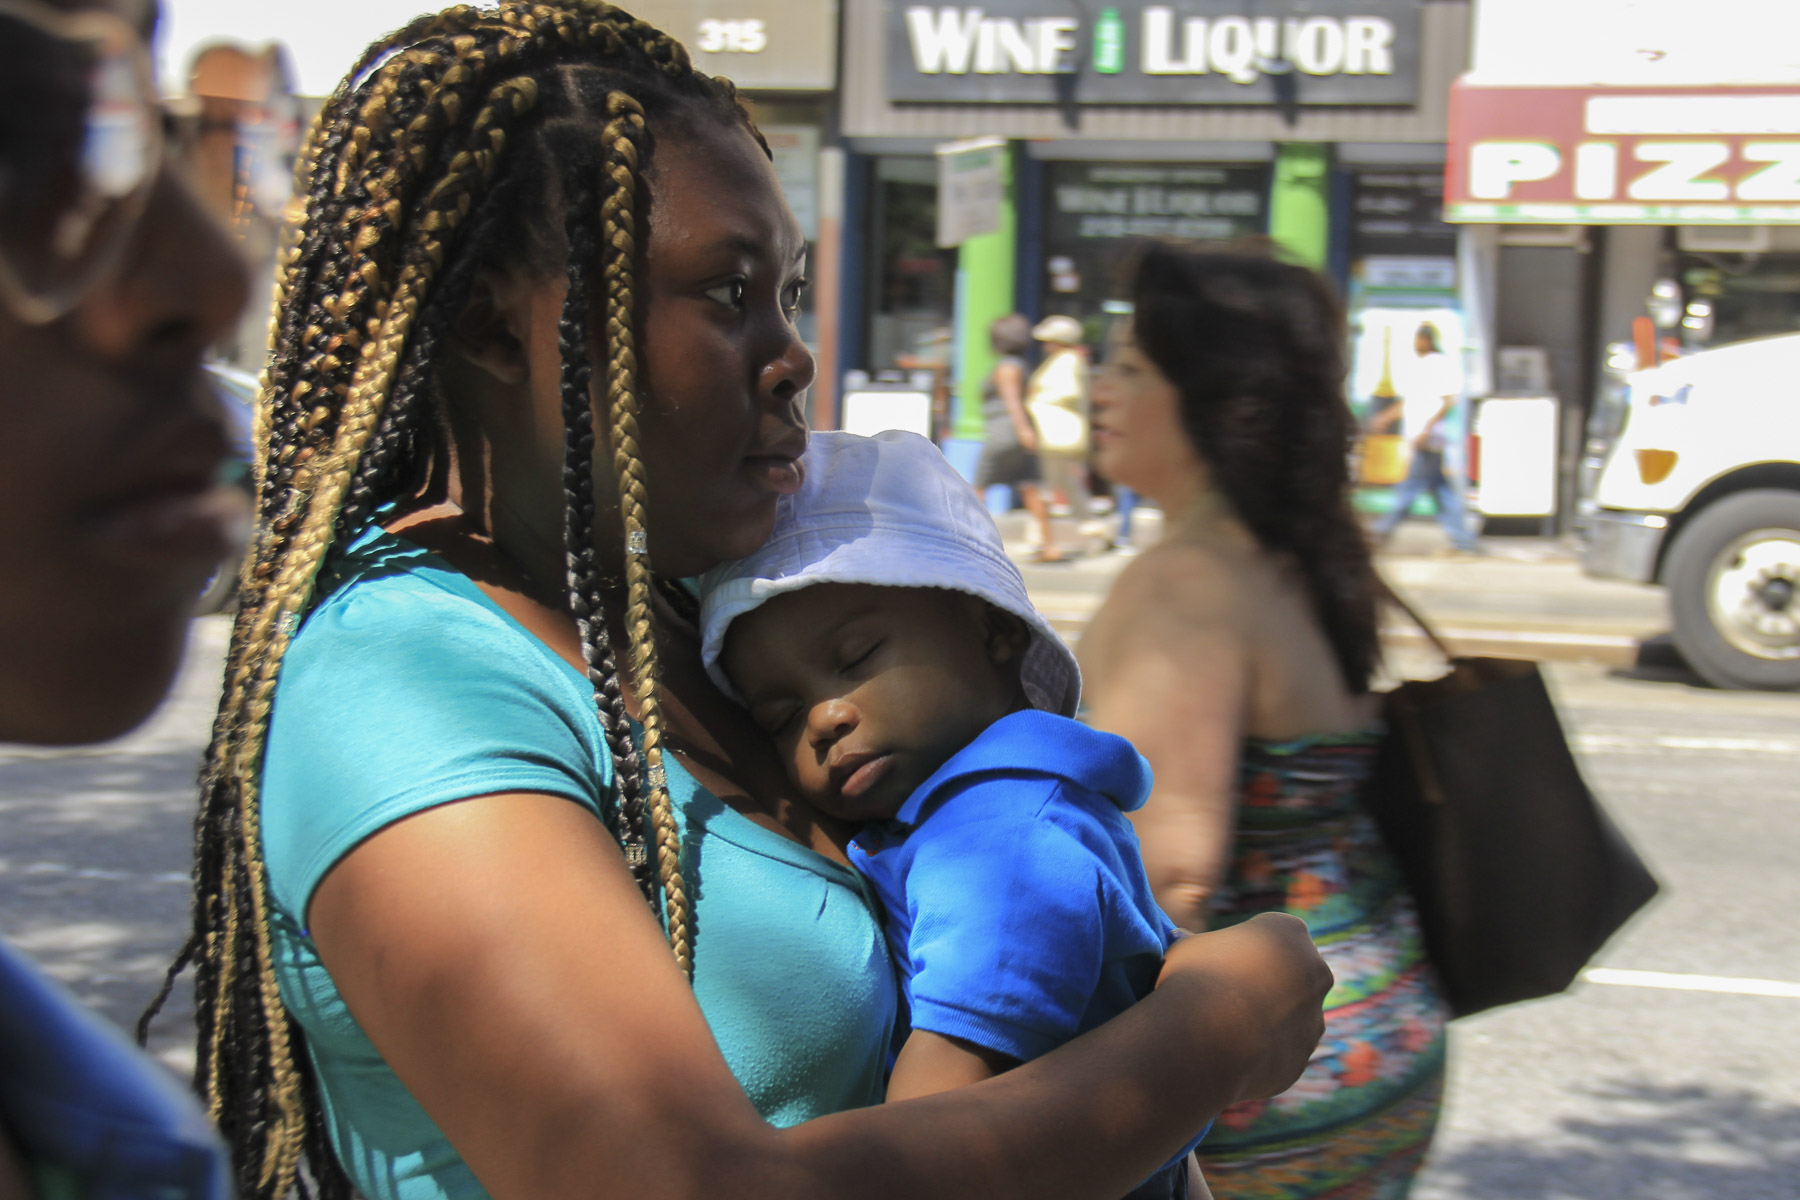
(1057, 399)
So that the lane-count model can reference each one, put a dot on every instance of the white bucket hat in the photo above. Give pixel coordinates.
(886, 510)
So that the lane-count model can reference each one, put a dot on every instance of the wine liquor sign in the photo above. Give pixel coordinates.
(1309, 52)
(1624, 156)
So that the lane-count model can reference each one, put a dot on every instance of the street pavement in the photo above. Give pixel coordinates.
(1672, 1080)
(1667, 1082)
(1521, 596)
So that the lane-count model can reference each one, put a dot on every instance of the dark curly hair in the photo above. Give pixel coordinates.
(1010, 334)
(1255, 347)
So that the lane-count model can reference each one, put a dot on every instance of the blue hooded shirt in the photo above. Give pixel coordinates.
(1018, 912)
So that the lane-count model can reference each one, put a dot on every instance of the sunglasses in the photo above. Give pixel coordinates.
(80, 147)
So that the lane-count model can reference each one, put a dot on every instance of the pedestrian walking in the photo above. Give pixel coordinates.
(1056, 397)
(113, 281)
(1125, 502)
(1009, 439)
(1430, 389)
(496, 893)
(1237, 655)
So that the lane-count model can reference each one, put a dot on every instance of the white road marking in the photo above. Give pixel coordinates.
(1619, 743)
(1669, 981)
(1536, 637)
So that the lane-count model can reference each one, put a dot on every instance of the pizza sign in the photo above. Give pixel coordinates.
(1655, 156)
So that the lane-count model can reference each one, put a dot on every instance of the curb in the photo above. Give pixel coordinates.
(1607, 649)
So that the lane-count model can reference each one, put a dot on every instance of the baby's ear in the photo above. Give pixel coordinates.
(1007, 636)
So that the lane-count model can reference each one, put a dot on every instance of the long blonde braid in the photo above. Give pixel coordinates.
(624, 132)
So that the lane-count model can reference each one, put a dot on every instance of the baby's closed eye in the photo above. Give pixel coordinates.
(774, 716)
(857, 652)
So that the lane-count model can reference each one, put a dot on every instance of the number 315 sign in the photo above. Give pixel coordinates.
(1661, 156)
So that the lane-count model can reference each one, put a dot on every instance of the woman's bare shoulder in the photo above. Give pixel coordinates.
(1173, 600)
(1183, 581)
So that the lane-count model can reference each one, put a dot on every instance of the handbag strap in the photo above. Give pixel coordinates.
(1431, 635)
(1403, 720)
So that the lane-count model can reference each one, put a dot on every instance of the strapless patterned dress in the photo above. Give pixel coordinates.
(1357, 1124)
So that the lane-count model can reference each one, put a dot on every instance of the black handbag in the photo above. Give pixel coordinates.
(1518, 875)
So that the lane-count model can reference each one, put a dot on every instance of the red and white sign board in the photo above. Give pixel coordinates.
(1623, 156)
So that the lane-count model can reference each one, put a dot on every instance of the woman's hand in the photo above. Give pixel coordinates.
(1267, 973)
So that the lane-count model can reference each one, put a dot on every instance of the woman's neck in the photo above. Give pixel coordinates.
(1205, 515)
(532, 563)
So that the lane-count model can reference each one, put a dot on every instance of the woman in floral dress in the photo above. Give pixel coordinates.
(1237, 655)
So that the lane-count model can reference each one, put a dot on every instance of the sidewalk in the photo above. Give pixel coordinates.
(1525, 597)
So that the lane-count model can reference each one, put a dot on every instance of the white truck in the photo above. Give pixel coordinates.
(1700, 492)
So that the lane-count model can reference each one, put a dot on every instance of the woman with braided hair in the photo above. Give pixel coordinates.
(535, 334)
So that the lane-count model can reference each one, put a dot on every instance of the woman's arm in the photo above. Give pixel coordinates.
(1009, 382)
(502, 961)
(1168, 670)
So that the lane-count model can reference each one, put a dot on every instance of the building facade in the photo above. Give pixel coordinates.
(783, 57)
(1319, 122)
(1627, 189)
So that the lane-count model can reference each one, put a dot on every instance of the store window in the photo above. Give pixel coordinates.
(1399, 243)
(1402, 275)
(1097, 209)
(914, 282)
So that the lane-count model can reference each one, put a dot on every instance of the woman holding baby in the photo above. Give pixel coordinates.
(498, 893)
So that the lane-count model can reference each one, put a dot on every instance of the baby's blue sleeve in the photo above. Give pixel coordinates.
(396, 697)
(1007, 911)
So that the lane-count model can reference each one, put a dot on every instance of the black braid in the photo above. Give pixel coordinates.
(581, 560)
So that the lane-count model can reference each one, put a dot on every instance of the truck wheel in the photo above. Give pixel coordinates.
(1733, 576)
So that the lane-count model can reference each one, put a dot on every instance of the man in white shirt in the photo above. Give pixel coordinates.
(1429, 391)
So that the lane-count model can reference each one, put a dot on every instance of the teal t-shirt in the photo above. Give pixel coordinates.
(405, 688)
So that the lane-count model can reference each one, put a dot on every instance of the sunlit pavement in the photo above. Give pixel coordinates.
(1673, 1079)
(1634, 1087)
(1522, 596)
(1617, 1090)
(95, 848)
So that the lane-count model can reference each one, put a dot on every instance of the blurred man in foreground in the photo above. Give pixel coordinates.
(112, 283)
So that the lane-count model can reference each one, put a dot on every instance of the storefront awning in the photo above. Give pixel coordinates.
(1624, 156)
